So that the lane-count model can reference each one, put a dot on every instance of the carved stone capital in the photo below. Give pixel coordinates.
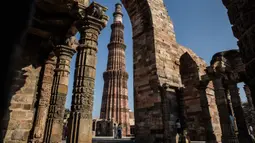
(72, 42)
(93, 17)
(65, 50)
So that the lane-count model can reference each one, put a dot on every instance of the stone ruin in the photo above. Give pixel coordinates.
(170, 81)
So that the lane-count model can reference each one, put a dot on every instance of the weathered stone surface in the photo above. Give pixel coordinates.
(19, 119)
(241, 16)
(54, 123)
(44, 101)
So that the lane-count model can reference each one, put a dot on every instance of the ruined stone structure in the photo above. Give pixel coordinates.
(241, 16)
(36, 109)
(163, 91)
(102, 127)
(226, 70)
(115, 93)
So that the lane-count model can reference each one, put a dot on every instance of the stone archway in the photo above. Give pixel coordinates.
(153, 45)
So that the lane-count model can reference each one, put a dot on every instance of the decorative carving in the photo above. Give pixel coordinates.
(90, 26)
(72, 42)
(58, 95)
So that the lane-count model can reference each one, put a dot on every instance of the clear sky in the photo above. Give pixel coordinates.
(201, 25)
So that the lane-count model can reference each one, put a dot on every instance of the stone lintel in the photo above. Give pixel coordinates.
(39, 32)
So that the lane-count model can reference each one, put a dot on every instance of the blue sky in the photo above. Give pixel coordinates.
(201, 25)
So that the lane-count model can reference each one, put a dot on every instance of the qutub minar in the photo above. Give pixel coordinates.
(115, 94)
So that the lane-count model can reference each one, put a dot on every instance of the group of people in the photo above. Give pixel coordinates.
(117, 131)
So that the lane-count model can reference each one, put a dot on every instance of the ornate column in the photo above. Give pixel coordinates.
(228, 135)
(44, 101)
(80, 121)
(54, 124)
(243, 134)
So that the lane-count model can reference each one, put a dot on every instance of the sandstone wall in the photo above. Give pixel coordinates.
(19, 118)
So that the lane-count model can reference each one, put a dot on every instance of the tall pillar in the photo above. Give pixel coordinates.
(231, 110)
(248, 96)
(44, 101)
(54, 124)
(80, 121)
(210, 136)
(243, 134)
(250, 105)
(228, 135)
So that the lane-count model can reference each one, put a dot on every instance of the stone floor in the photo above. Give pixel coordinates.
(123, 140)
(111, 140)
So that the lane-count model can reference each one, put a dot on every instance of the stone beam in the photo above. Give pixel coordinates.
(39, 32)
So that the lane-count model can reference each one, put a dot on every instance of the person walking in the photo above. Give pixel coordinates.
(178, 126)
(119, 131)
(115, 131)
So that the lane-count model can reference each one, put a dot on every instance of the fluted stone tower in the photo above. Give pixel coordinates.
(115, 94)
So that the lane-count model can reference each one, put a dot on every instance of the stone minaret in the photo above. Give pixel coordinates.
(115, 94)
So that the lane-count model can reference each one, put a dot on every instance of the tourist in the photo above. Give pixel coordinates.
(119, 131)
(178, 126)
(115, 131)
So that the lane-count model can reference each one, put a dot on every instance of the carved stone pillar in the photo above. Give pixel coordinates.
(80, 121)
(243, 134)
(210, 136)
(231, 110)
(54, 124)
(251, 111)
(228, 135)
(248, 95)
(44, 101)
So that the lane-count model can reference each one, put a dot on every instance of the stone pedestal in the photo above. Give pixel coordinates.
(228, 135)
(54, 124)
(44, 101)
(243, 134)
(80, 121)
